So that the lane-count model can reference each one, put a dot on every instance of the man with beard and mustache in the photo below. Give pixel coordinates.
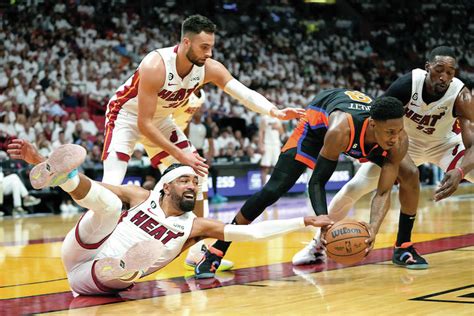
(108, 250)
(162, 84)
(439, 120)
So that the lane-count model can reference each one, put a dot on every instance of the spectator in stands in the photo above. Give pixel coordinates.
(53, 92)
(76, 134)
(7, 126)
(138, 158)
(43, 144)
(12, 185)
(88, 124)
(253, 156)
(60, 140)
(93, 159)
(28, 133)
(69, 99)
(85, 140)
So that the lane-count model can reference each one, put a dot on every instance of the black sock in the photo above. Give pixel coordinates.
(224, 245)
(405, 226)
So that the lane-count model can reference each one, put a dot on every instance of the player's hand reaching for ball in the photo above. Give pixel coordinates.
(24, 150)
(196, 162)
(318, 221)
(287, 114)
(371, 240)
(449, 184)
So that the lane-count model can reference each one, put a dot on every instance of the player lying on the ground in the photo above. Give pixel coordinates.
(108, 250)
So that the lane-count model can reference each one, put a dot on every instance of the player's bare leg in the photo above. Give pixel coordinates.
(404, 253)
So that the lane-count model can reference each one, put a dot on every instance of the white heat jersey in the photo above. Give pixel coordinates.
(430, 122)
(147, 221)
(272, 135)
(174, 93)
(183, 115)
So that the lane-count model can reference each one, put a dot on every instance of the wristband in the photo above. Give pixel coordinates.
(461, 171)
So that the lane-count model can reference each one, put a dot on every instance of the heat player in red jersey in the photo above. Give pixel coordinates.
(165, 79)
(108, 250)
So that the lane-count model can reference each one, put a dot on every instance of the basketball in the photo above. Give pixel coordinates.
(346, 242)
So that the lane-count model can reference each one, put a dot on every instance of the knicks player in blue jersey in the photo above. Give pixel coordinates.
(439, 121)
(336, 121)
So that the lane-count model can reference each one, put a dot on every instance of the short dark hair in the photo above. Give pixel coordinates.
(386, 108)
(196, 24)
(441, 51)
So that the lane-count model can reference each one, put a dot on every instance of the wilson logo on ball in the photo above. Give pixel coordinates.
(344, 231)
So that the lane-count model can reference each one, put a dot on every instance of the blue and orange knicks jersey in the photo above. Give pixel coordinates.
(308, 136)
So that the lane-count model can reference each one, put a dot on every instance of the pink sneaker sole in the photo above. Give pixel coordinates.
(54, 170)
(136, 261)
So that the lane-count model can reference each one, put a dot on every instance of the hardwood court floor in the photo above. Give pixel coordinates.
(32, 280)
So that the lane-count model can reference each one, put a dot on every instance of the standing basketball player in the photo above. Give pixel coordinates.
(107, 250)
(336, 121)
(433, 100)
(140, 110)
(269, 134)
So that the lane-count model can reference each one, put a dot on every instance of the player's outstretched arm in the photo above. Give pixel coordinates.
(464, 108)
(381, 201)
(220, 76)
(203, 227)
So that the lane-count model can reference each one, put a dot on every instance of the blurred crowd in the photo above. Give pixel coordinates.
(62, 60)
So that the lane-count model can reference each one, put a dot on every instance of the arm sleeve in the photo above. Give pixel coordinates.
(248, 97)
(262, 230)
(400, 88)
(316, 187)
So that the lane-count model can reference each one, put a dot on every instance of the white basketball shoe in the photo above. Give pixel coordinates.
(55, 170)
(312, 253)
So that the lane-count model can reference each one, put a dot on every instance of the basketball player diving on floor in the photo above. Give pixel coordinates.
(336, 121)
(108, 250)
(439, 121)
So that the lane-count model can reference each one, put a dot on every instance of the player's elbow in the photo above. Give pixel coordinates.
(143, 125)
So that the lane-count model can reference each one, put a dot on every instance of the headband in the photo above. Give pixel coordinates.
(173, 175)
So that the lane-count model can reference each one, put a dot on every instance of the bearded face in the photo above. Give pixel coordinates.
(198, 48)
(183, 196)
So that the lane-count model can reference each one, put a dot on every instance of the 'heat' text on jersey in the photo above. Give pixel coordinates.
(427, 120)
(153, 228)
(180, 96)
